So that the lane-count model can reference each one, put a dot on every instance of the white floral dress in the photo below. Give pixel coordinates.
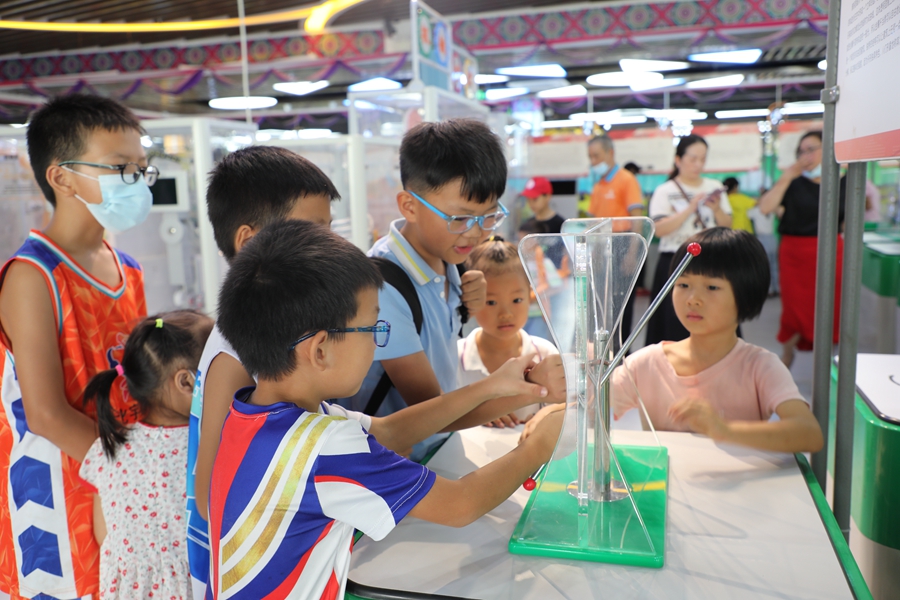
(142, 493)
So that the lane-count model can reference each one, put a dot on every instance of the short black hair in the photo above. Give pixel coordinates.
(731, 184)
(632, 167)
(292, 278)
(258, 185)
(735, 255)
(434, 154)
(58, 131)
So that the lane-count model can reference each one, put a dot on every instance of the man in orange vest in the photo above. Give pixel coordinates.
(616, 193)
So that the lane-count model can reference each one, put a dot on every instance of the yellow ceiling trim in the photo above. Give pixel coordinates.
(320, 14)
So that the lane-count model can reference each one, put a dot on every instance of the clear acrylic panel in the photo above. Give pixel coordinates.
(593, 501)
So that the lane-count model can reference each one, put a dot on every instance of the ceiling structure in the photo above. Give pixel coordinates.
(177, 74)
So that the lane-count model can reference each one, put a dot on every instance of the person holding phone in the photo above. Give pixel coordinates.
(681, 207)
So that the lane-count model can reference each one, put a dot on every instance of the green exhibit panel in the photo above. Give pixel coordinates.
(875, 496)
(881, 275)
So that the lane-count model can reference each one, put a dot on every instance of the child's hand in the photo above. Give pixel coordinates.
(535, 421)
(510, 420)
(700, 417)
(550, 374)
(509, 380)
(474, 290)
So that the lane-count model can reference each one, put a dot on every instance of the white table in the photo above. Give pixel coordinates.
(741, 524)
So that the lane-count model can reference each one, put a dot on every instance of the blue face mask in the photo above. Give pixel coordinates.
(124, 205)
(815, 173)
(599, 170)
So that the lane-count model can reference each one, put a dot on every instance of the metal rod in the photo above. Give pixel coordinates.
(826, 251)
(650, 310)
(245, 78)
(601, 476)
(846, 388)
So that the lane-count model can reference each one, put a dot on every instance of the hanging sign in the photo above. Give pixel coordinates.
(867, 122)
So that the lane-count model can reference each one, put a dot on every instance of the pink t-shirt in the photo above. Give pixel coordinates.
(747, 385)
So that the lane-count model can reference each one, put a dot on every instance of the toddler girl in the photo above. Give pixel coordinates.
(500, 335)
(713, 382)
(138, 473)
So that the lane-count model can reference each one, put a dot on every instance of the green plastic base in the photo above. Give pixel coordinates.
(616, 535)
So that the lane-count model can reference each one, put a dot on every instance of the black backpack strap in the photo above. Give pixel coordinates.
(463, 311)
(393, 274)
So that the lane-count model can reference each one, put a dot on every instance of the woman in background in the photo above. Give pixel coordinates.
(795, 196)
(684, 205)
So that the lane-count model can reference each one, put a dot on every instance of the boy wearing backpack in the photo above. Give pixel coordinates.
(249, 189)
(453, 175)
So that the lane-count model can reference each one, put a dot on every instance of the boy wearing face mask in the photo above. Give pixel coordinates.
(67, 302)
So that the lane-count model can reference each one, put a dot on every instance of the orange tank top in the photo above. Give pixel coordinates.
(47, 544)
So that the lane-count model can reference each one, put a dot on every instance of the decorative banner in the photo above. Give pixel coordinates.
(344, 46)
(623, 21)
(432, 46)
(465, 68)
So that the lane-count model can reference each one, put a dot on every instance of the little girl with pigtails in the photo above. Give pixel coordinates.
(138, 472)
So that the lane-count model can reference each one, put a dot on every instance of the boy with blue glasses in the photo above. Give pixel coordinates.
(294, 475)
(453, 175)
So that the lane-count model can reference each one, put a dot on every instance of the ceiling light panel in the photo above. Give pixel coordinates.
(487, 79)
(300, 88)
(549, 70)
(623, 79)
(569, 91)
(742, 114)
(715, 82)
(632, 65)
(740, 57)
(242, 102)
(376, 84)
(655, 85)
(504, 93)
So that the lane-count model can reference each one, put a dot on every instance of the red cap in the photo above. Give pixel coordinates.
(537, 186)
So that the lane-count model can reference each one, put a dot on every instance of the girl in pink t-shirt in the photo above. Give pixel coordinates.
(713, 382)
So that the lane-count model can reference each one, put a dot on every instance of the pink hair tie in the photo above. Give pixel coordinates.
(120, 370)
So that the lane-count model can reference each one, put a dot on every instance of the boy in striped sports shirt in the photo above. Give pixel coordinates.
(295, 475)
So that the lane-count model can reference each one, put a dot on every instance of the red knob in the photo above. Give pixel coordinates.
(694, 248)
(529, 484)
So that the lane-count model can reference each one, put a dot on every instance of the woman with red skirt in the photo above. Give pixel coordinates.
(796, 198)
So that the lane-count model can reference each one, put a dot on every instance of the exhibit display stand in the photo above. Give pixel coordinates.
(875, 493)
(881, 275)
(594, 501)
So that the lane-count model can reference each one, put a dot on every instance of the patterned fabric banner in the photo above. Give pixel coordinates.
(348, 45)
(563, 26)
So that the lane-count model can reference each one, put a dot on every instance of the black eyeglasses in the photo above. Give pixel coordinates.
(381, 331)
(130, 172)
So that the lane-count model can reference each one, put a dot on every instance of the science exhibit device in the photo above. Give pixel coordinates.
(592, 500)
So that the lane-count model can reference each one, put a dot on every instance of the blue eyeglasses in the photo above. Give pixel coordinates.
(463, 223)
(381, 331)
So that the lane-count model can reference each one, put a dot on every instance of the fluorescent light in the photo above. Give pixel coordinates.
(308, 134)
(803, 108)
(823, 64)
(375, 84)
(551, 70)
(300, 88)
(569, 91)
(562, 123)
(539, 85)
(631, 65)
(503, 93)
(655, 85)
(623, 79)
(146, 142)
(742, 57)
(242, 102)
(486, 79)
(716, 82)
(742, 114)
(19, 125)
(613, 117)
(677, 114)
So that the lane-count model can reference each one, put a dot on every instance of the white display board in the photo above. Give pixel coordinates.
(867, 122)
